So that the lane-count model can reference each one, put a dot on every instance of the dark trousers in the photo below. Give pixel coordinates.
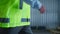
(17, 30)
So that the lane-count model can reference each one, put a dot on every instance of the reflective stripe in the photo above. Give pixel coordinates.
(21, 4)
(4, 20)
(25, 20)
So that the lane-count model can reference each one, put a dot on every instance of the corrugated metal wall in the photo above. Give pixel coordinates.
(59, 11)
(50, 18)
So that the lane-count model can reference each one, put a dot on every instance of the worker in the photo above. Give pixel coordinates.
(15, 16)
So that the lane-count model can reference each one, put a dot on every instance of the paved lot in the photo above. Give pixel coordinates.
(41, 32)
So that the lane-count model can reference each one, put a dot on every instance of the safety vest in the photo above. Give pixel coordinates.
(11, 15)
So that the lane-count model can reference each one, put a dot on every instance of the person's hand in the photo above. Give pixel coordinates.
(42, 9)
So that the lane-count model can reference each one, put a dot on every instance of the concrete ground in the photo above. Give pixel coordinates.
(40, 32)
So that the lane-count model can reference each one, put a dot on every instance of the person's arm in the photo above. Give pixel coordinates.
(36, 4)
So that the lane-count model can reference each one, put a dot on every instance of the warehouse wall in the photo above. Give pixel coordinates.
(50, 18)
(59, 12)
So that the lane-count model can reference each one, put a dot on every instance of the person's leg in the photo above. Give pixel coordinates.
(2, 31)
(15, 30)
(26, 30)
(10, 30)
